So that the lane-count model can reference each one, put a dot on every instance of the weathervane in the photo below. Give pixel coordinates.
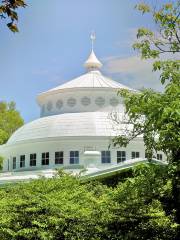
(93, 38)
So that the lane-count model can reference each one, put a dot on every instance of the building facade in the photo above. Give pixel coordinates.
(75, 128)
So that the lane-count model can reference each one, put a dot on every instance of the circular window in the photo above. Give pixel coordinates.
(71, 102)
(49, 106)
(85, 101)
(114, 102)
(59, 104)
(100, 101)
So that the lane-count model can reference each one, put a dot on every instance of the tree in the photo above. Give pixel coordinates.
(157, 115)
(140, 210)
(10, 120)
(8, 9)
(66, 208)
(60, 208)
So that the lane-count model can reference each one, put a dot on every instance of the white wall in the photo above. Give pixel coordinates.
(79, 107)
(67, 145)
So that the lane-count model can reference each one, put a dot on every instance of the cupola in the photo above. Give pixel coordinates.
(92, 62)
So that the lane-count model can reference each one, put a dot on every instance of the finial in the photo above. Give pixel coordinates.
(92, 62)
(93, 38)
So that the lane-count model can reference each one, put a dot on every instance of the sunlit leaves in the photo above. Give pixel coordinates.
(10, 120)
(170, 71)
(144, 8)
(156, 116)
(12, 27)
(66, 208)
(167, 38)
(144, 32)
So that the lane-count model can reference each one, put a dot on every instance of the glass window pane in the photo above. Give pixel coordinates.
(14, 162)
(45, 158)
(105, 156)
(22, 161)
(135, 155)
(58, 157)
(121, 156)
(159, 156)
(33, 159)
(74, 157)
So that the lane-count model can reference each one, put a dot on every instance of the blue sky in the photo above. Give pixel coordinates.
(54, 42)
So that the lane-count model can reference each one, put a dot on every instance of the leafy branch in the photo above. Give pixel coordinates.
(8, 9)
(167, 38)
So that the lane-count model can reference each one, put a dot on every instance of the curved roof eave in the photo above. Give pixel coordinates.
(45, 94)
(92, 80)
(62, 138)
(84, 124)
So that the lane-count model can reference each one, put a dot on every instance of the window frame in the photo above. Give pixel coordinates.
(122, 156)
(59, 159)
(45, 159)
(74, 157)
(14, 163)
(135, 155)
(22, 161)
(32, 160)
(159, 156)
(105, 157)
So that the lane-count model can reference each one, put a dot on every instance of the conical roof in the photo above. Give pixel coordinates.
(92, 79)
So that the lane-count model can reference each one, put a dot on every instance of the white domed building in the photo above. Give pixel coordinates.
(75, 129)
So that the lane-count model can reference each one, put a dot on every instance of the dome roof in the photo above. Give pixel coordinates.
(66, 125)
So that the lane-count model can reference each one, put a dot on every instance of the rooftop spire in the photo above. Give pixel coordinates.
(93, 38)
(92, 62)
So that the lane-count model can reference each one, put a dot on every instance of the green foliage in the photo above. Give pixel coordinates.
(8, 9)
(144, 8)
(140, 211)
(10, 120)
(66, 208)
(155, 115)
(166, 40)
(52, 209)
(169, 72)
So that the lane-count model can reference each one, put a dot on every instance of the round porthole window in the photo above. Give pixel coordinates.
(114, 102)
(71, 102)
(100, 101)
(49, 106)
(59, 104)
(85, 101)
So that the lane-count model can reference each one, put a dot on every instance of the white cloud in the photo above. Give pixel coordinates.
(134, 72)
(128, 65)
